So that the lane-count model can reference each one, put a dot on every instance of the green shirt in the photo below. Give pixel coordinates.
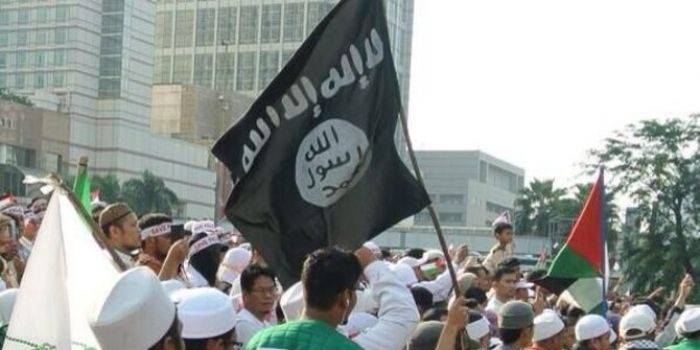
(686, 344)
(301, 335)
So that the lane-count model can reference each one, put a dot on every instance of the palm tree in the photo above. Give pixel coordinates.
(537, 206)
(149, 195)
(108, 186)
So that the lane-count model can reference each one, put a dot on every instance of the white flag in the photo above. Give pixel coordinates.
(65, 269)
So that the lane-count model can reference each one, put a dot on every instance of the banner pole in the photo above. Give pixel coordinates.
(97, 233)
(431, 209)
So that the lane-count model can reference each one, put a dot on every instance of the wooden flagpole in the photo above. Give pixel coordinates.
(431, 209)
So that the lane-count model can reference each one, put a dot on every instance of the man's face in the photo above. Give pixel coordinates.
(505, 287)
(31, 228)
(521, 294)
(483, 280)
(8, 247)
(261, 299)
(601, 343)
(505, 237)
(163, 244)
(555, 342)
(126, 234)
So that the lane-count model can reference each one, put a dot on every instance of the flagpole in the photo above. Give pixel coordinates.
(431, 209)
(97, 233)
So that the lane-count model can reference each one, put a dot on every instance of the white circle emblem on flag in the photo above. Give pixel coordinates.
(331, 159)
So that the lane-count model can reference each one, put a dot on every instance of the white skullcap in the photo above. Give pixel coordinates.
(689, 321)
(172, 286)
(431, 255)
(547, 325)
(234, 262)
(590, 327)
(408, 260)
(478, 329)
(643, 308)
(373, 247)
(639, 321)
(405, 274)
(523, 284)
(134, 314)
(7, 304)
(292, 302)
(205, 313)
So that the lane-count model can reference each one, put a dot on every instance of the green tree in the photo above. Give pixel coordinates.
(149, 194)
(109, 188)
(537, 205)
(656, 164)
(8, 95)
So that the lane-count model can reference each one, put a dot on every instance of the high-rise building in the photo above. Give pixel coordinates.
(93, 60)
(242, 44)
(468, 188)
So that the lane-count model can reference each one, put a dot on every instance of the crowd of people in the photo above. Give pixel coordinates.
(196, 286)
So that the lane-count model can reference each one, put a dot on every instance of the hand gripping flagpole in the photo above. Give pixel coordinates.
(431, 209)
(97, 233)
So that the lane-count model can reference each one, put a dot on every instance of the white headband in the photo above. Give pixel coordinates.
(157, 230)
(202, 244)
(203, 226)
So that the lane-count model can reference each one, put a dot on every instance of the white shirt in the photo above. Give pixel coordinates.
(247, 325)
(494, 305)
(397, 315)
(194, 278)
(440, 287)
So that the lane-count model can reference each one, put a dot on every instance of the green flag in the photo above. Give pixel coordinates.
(81, 187)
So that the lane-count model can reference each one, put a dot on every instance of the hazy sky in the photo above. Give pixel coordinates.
(539, 82)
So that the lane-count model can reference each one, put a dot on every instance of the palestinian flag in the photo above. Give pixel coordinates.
(578, 272)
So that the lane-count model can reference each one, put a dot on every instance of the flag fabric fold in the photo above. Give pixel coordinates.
(579, 270)
(65, 269)
(314, 160)
(81, 188)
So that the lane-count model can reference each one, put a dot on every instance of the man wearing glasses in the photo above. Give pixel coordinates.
(259, 297)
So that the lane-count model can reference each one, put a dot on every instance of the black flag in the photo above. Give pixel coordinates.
(313, 160)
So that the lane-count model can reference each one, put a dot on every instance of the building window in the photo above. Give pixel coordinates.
(113, 6)
(63, 13)
(249, 25)
(270, 23)
(164, 30)
(227, 25)
(224, 71)
(22, 59)
(294, 22)
(269, 63)
(451, 218)
(59, 58)
(496, 208)
(182, 69)
(4, 39)
(453, 199)
(111, 45)
(245, 76)
(59, 79)
(317, 10)
(39, 80)
(3, 60)
(110, 66)
(23, 16)
(40, 59)
(3, 80)
(19, 81)
(52, 162)
(42, 14)
(110, 88)
(61, 36)
(162, 70)
(203, 69)
(205, 27)
(40, 37)
(18, 156)
(4, 17)
(183, 28)
(22, 38)
(112, 24)
(11, 180)
(422, 218)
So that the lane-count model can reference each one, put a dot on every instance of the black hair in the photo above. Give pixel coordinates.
(386, 254)
(423, 298)
(474, 316)
(251, 273)
(153, 219)
(574, 313)
(327, 273)
(502, 270)
(501, 226)
(476, 294)
(508, 336)
(653, 305)
(201, 344)
(206, 261)
(416, 253)
(511, 263)
(434, 314)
